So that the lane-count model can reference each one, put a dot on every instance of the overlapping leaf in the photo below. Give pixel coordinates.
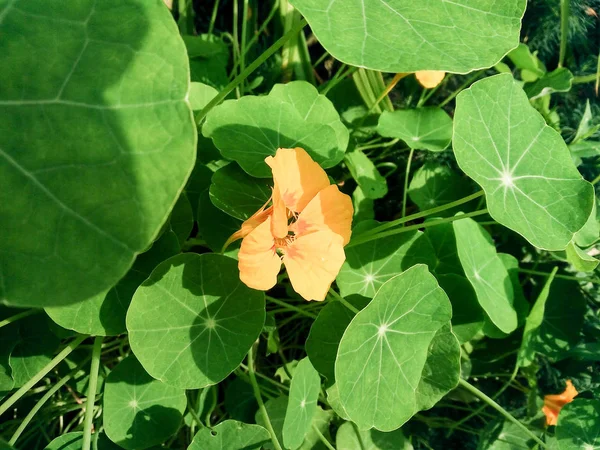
(422, 128)
(230, 434)
(579, 425)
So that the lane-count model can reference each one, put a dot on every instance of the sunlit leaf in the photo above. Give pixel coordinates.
(96, 142)
(581, 261)
(193, 321)
(350, 437)
(450, 36)
(230, 434)
(200, 95)
(590, 232)
(559, 80)
(370, 181)
(421, 128)
(524, 166)
(578, 425)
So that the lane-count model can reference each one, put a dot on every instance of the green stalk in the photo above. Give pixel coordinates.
(19, 316)
(322, 438)
(213, 17)
(343, 301)
(261, 405)
(41, 374)
(405, 193)
(362, 238)
(251, 68)
(468, 82)
(564, 277)
(42, 401)
(473, 390)
(565, 7)
(243, 43)
(91, 394)
(585, 78)
(419, 215)
(291, 307)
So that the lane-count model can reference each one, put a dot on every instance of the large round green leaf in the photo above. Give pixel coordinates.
(523, 165)
(74, 441)
(292, 115)
(140, 411)
(578, 425)
(406, 36)
(97, 140)
(230, 435)
(383, 353)
(193, 321)
(349, 437)
(422, 128)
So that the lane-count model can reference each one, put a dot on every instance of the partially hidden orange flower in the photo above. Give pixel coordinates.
(306, 228)
(430, 78)
(554, 403)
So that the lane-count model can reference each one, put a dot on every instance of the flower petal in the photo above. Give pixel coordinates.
(330, 208)
(554, 403)
(258, 260)
(279, 220)
(430, 78)
(298, 177)
(313, 261)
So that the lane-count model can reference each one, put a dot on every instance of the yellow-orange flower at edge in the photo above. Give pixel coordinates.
(554, 403)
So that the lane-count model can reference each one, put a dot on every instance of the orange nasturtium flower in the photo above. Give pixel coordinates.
(430, 78)
(554, 403)
(306, 228)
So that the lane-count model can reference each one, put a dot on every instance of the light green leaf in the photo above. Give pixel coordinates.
(292, 115)
(193, 321)
(369, 265)
(182, 219)
(230, 434)
(104, 314)
(451, 36)
(363, 206)
(238, 194)
(526, 355)
(68, 441)
(422, 128)
(523, 165)
(581, 261)
(302, 404)
(383, 352)
(486, 272)
(585, 128)
(590, 232)
(578, 425)
(467, 315)
(140, 411)
(96, 142)
(200, 95)
(435, 185)
(559, 80)
(362, 169)
(531, 67)
(349, 437)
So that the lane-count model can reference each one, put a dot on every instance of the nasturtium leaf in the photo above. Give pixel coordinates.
(443, 241)
(104, 314)
(9, 338)
(302, 404)
(200, 95)
(230, 435)
(68, 441)
(520, 303)
(5, 446)
(486, 272)
(97, 140)
(422, 128)
(182, 219)
(578, 426)
(369, 265)
(193, 321)
(505, 435)
(140, 411)
(371, 182)
(523, 165)
(214, 225)
(526, 355)
(240, 402)
(581, 261)
(531, 67)
(384, 350)
(467, 315)
(559, 80)
(590, 232)
(450, 36)
(325, 335)
(292, 115)
(363, 206)
(563, 319)
(238, 194)
(198, 182)
(350, 437)
(208, 60)
(435, 185)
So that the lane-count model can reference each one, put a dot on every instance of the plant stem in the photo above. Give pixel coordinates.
(251, 68)
(387, 90)
(405, 193)
(18, 316)
(213, 17)
(243, 43)
(594, 181)
(323, 438)
(261, 405)
(291, 307)
(460, 88)
(343, 301)
(419, 215)
(41, 374)
(565, 6)
(473, 390)
(564, 277)
(584, 79)
(91, 394)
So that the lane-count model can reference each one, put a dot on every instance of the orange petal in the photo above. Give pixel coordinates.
(250, 224)
(554, 403)
(430, 78)
(330, 208)
(279, 221)
(313, 261)
(299, 178)
(258, 260)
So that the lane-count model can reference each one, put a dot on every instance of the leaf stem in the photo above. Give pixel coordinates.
(564, 277)
(41, 374)
(367, 237)
(322, 438)
(18, 316)
(584, 78)
(405, 193)
(213, 17)
(343, 301)
(594, 181)
(91, 394)
(473, 390)
(290, 307)
(248, 70)
(565, 7)
(258, 396)
(467, 82)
